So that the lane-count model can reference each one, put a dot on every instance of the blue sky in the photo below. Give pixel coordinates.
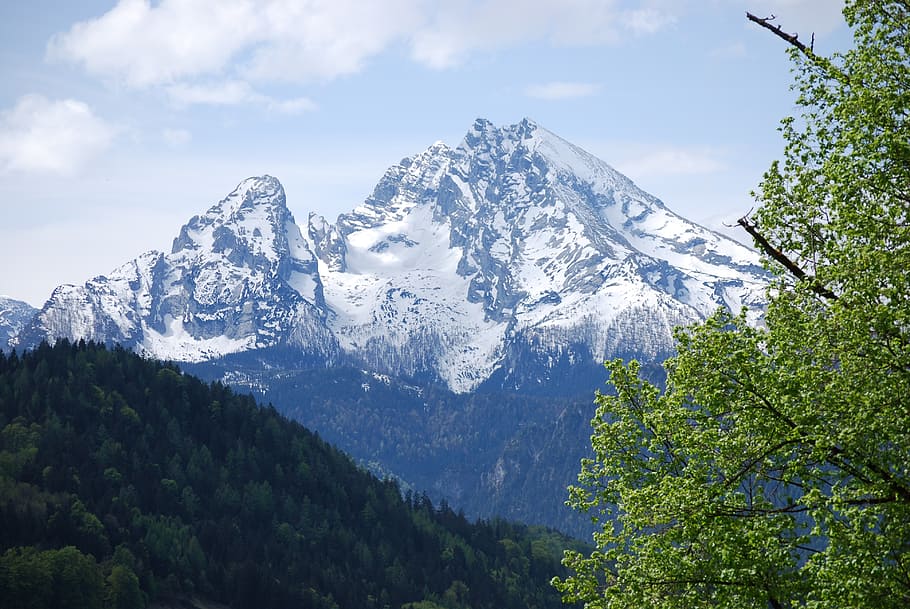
(121, 120)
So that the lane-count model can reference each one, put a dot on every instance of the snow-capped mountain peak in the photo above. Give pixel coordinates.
(518, 235)
(14, 315)
(515, 246)
(251, 217)
(239, 277)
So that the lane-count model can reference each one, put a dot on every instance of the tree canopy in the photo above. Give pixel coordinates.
(773, 470)
(125, 482)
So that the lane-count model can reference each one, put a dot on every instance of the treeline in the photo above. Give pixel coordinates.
(124, 481)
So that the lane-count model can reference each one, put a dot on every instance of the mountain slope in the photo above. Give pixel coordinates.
(489, 453)
(518, 240)
(483, 263)
(14, 315)
(486, 282)
(238, 277)
(170, 488)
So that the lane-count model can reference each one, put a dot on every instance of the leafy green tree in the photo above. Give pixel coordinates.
(26, 579)
(123, 589)
(774, 468)
(64, 578)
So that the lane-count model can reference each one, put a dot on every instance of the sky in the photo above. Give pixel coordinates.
(120, 120)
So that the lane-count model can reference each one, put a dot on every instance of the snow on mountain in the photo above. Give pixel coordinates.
(14, 314)
(519, 236)
(460, 261)
(238, 277)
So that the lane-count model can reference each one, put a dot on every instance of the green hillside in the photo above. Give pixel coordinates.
(124, 482)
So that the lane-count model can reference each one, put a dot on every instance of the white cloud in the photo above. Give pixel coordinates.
(44, 136)
(233, 93)
(228, 93)
(147, 45)
(318, 40)
(297, 105)
(176, 137)
(178, 41)
(456, 29)
(562, 90)
(175, 40)
(670, 160)
(646, 20)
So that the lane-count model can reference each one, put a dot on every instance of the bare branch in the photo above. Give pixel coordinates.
(809, 51)
(780, 257)
(791, 38)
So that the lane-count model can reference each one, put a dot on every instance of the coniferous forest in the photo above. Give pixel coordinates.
(124, 483)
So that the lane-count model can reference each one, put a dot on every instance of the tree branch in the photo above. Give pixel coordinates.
(780, 257)
(871, 500)
(768, 451)
(754, 512)
(791, 38)
(839, 458)
(808, 51)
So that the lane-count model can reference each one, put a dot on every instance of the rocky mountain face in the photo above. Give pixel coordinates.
(510, 265)
(14, 315)
(464, 261)
(514, 250)
(239, 277)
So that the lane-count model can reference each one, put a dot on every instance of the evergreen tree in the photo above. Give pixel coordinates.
(124, 482)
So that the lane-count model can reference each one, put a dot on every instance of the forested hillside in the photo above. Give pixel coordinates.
(124, 482)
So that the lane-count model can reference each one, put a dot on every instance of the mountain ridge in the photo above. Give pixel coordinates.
(14, 315)
(514, 239)
(488, 281)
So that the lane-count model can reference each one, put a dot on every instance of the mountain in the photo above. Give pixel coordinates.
(237, 278)
(463, 260)
(492, 262)
(450, 330)
(490, 453)
(123, 480)
(14, 315)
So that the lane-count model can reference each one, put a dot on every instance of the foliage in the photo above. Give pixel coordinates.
(126, 482)
(774, 469)
(64, 578)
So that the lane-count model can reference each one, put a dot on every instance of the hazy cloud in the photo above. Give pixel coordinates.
(41, 135)
(456, 29)
(646, 20)
(232, 93)
(228, 93)
(734, 50)
(318, 40)
(562, 90)
(298, 105)
(176, 137)
(671, 160)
